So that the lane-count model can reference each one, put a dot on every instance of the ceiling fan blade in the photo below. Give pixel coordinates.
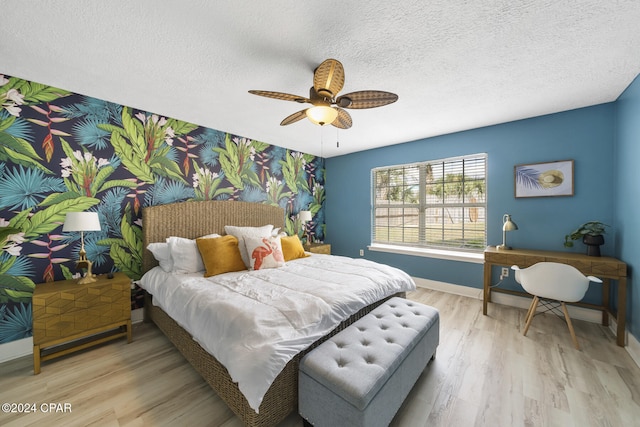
(280, 95)
(294, 118)
(328, 78)
(366, 99)
(343, 121)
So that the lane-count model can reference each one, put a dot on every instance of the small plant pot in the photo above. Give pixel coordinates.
(593, 244)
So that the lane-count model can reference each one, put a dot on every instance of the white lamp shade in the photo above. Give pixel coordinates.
(305, 216)
(322, 115)
(81, 221)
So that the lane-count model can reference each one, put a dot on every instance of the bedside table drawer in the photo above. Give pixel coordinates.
(71, 311)
(70, 300)
(50, 327)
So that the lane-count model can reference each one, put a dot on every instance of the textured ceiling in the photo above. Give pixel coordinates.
(455, 64)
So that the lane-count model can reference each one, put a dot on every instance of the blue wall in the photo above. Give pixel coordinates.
(585, 135)
(627, 200)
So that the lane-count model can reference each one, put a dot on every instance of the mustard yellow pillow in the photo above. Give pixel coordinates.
(220, 255)
(292, 248)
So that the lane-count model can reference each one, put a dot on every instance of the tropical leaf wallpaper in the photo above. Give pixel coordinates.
(64, 152)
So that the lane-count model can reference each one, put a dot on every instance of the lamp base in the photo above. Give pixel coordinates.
(503, 248)
(87, 279)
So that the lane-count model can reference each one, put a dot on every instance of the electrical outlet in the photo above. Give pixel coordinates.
(361, 252)
(505, 272)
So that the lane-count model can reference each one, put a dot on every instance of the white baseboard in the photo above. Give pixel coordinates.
(14, 349)
(24, 347)
(137, 315)
(633, 348)
(449, 288)
(580, 313)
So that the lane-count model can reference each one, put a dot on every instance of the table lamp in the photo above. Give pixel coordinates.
(305, 217)
(83, 221)
(507, 225)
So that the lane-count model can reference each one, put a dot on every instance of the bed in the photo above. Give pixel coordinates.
(194, 219)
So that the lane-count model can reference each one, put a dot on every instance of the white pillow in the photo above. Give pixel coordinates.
(210, 236)
(185, 254)
(162, 254)
(264, 252)
(241, 232)
(276, 232)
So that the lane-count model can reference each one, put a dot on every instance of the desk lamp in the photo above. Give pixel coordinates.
(507, 225)
(82, 221)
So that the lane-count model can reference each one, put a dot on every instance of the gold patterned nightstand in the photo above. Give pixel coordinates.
(68, 317)
(318, 248)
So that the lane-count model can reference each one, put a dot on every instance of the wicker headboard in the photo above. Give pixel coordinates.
(195, 219)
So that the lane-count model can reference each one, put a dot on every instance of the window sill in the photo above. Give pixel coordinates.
(473, 257)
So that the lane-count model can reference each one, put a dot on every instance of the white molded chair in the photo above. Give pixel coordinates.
(553, 281)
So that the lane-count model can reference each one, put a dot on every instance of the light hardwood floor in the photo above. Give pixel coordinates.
(485, 374)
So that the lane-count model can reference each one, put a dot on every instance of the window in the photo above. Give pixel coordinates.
(436, 204)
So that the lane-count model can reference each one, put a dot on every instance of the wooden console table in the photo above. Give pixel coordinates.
(605, 268)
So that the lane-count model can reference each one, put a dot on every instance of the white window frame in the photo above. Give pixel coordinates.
(422, 247)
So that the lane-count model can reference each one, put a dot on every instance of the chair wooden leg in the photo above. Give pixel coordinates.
(531, 315)
(570, 325)
(531, 308)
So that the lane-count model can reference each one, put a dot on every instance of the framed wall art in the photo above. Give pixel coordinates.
(544, 179)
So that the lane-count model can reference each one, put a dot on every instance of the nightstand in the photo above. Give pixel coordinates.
(318, 248)
(68, 317)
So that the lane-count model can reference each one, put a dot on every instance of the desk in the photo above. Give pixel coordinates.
(605, 268)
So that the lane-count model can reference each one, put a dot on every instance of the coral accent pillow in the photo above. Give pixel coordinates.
(292, 248)
(264, 252)
(220, 255)
(241, 233)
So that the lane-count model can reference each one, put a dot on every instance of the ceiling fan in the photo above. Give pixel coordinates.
(327, 107)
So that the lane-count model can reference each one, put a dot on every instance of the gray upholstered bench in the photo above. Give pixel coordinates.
(361, 376)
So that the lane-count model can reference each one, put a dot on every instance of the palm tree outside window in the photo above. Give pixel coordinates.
(434, 204)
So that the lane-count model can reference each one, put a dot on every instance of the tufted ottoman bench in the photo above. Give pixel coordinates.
(361, 376)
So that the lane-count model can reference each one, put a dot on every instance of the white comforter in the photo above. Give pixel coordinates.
(254, 322)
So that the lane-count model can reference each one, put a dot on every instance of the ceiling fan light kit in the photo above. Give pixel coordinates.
(321, 115)
(328, 80)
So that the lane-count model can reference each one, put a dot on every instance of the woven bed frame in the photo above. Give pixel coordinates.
(195, 219)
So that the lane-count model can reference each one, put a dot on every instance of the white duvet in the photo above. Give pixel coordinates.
(254, 322)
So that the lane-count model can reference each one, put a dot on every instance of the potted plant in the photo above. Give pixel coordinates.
(591, 234)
